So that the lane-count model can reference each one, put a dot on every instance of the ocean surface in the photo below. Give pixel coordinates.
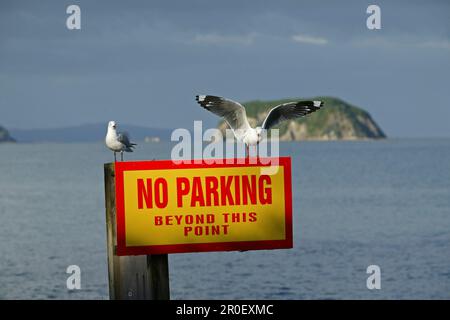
(356, 204)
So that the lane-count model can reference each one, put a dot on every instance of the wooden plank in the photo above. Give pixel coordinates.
(131, 277)
(159, 269)
(110, 204)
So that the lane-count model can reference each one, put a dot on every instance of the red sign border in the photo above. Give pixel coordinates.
(123, 250)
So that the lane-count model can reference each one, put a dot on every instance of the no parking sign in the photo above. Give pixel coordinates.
(164, 207)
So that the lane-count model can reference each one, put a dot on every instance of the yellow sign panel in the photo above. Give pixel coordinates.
(165, 208)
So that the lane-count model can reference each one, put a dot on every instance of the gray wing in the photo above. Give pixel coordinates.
(232, 112)
(290, 110)
(124, 138)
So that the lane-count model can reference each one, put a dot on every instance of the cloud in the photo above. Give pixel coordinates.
(437, 44)
(301, 38)
(218, 39)
(403, 41)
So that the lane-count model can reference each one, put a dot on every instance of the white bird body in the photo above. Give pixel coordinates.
(112, 141)
(234, 114)
(251, 137)
(117, 142)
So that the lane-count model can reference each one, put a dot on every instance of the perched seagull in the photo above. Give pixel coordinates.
(118, 142)
(234, 114)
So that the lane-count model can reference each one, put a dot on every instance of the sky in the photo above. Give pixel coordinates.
(143, 62)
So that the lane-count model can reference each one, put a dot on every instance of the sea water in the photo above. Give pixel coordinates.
(355, 204)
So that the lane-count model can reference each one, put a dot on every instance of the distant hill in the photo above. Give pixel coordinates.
(337, 120)
(4, 135)
(87, 133)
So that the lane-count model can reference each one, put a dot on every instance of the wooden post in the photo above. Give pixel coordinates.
(131, 277)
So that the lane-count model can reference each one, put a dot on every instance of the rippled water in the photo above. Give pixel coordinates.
(355, 204)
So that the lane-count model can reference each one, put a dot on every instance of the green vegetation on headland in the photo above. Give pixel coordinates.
(337, 120)
(4, 135)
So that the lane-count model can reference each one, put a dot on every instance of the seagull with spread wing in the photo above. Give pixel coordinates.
(118, 142)
(234, 114)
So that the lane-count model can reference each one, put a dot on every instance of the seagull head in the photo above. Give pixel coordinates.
(112, 125)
